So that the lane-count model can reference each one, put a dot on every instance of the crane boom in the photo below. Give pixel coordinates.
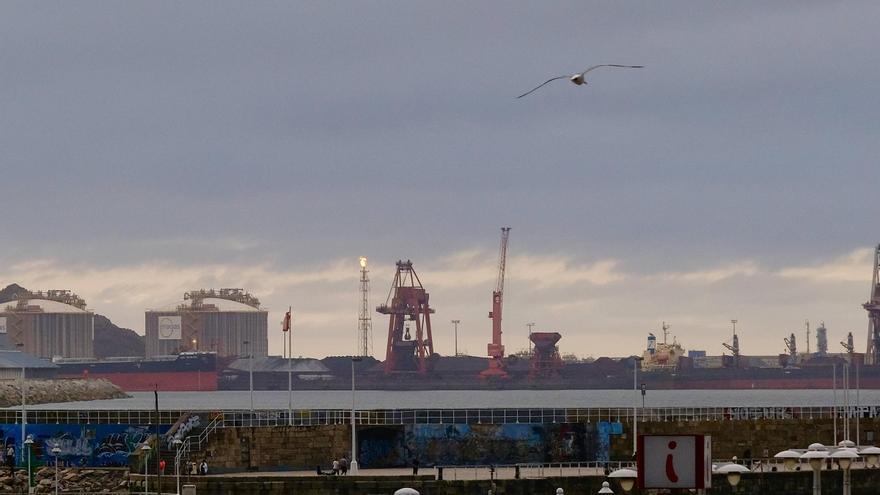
(502, 260)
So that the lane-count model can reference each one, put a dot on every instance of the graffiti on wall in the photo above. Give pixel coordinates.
(81, 445)
(464, 444)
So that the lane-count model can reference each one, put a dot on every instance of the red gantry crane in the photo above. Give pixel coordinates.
(407, 303)
(496, 349)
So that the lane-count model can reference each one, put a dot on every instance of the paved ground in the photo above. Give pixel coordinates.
(458, 473)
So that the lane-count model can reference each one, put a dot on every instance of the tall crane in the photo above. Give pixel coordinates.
(872, 356)
(496, 349)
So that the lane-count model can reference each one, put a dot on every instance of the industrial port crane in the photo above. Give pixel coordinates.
(496, 349)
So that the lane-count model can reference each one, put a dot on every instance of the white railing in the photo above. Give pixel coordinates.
(529, 470)
(268, 418)
(310, 417)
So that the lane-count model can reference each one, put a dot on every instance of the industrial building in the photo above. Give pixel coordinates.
(229, 322)
(49, 324)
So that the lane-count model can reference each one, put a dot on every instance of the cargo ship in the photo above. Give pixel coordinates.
(187, 371)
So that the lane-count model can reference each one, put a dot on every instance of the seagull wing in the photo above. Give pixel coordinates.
(541, 85)
(612, 65)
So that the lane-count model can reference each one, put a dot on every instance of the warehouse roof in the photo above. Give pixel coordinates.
(11, 357)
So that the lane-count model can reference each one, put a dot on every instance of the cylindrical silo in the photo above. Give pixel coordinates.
(49, 324)
(229, 322)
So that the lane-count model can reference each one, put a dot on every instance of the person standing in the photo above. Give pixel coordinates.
(343, 465)
(10, 457)
(335, 466)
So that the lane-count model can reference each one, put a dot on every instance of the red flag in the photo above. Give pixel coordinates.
(285, 325)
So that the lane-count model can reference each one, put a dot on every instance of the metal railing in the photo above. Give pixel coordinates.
(312, 417)
(129, 417)
(529, 470)
(379, 417)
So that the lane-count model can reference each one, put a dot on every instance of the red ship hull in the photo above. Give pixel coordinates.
(168, 381)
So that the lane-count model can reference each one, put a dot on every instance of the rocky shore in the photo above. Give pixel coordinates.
(69, 480)
(46, 391)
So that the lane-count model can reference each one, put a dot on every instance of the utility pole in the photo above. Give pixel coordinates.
(455, 324)
(807, 324)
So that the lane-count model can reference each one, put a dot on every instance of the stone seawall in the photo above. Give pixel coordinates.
(277, 448)
(274, 448)
(49, 391)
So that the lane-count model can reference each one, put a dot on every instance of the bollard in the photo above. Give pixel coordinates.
(439, 473)
(516, 472)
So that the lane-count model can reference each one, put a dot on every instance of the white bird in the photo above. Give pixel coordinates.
(579, 78)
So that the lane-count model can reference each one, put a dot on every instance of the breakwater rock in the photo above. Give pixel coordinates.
(69, 480)
(47, 391)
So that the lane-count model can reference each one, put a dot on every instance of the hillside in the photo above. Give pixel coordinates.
(110, 340)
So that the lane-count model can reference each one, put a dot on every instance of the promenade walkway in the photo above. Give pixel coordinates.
(449, 473)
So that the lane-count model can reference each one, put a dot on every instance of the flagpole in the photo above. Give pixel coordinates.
(289, 368)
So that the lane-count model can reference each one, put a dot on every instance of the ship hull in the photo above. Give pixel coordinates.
(169, 381)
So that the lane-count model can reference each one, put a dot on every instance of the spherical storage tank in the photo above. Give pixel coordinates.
(229, 322)
(49, 324)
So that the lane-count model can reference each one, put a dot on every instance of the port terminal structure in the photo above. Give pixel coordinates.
(873, 309)
(495, 349)
(407, 303)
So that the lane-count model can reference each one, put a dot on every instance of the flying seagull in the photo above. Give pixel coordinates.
(579, 78)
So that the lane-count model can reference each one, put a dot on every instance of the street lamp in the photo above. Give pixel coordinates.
(844, 458)
(816, 455)
(605, 489)
(28, 442)
(733, 472)
(56, 450)
(353, 465)
(871, 455)
(789, 458)
(636, 362)
(250, 355)
(177, 443)
(625, 477)
(145, 449)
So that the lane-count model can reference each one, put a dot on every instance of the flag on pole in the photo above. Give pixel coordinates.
(285, 325)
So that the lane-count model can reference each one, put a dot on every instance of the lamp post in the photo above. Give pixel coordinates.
(455, 325)
(816, 455)
(636, 363)
(56, 450)
(733, 473)
(28, 442)
(789, 458)
(625, 477)
(844, 458)
(353, 465)
(250, 356)
(145, 449)
(871, 455)
(606, 489)
(177, 443)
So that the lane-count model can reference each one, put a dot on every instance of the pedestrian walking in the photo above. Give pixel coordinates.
(335, 466)
(343, 465)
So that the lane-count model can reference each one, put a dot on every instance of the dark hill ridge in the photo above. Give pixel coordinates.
(110, 340)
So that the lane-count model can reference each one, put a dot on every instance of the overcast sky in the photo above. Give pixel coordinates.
(149, 148)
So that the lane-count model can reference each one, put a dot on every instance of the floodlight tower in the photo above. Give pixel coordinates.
(365, 322)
